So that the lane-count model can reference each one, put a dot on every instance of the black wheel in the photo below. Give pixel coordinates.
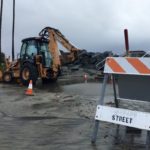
(28, 72)
(7, 77)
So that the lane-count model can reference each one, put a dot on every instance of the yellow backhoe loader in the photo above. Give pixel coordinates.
(39, 57)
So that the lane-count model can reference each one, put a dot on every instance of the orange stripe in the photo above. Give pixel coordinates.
(138, 65)
(114, 65)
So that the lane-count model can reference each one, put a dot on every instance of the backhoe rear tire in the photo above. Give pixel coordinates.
(28, 72)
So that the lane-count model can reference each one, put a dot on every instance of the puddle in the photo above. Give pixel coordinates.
(85, 89)
(50, 87)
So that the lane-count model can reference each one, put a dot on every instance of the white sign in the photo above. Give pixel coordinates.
(125, 117)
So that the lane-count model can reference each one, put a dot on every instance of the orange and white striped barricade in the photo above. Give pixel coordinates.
(133, 79)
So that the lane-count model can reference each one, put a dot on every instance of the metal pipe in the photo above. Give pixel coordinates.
(101, 102)
(126, 41)
(115, 93)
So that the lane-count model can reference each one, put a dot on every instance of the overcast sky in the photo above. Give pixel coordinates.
(95, 25)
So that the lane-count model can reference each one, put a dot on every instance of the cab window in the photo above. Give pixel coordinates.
(23, 50)
(31, 48)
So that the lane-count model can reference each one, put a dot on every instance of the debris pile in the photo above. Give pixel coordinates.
(89, 60)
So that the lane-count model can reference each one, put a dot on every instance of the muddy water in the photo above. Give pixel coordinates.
(59, 117)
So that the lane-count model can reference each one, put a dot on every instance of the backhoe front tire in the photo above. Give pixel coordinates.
(28, 72)
(7, 77)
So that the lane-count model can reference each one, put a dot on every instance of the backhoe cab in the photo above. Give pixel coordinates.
(35, 60)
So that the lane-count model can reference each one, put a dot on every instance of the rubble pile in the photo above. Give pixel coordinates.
(89, 60)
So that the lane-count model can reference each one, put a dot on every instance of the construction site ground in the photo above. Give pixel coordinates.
(60, 116)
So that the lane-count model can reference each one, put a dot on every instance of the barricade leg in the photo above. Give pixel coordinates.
(101, 101)
(115, 93)
(148, 140)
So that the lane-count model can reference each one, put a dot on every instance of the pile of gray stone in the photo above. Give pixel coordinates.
(89, 60)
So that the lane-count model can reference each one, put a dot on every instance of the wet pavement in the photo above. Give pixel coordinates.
(60, 117)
